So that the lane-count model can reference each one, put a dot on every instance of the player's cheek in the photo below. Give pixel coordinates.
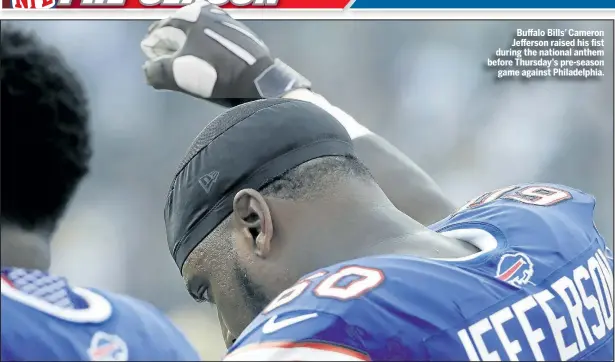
(228, 310)
(228, 337)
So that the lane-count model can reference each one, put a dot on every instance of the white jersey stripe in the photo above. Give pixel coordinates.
(288, 351)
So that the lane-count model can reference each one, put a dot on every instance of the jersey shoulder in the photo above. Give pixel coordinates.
(375, 308)
(44, 318)
(404, 308)
(529, 216)
(395, 307)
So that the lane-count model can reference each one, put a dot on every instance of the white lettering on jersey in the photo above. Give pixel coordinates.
(498, 319)
(534, 336)
(485, 198)
(99, 309)
(558, 324)
(273, 325)
(477, 330)
(578, 309)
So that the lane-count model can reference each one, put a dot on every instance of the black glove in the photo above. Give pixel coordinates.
(201, 51)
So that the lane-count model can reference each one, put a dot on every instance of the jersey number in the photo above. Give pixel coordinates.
(531, 195)
(363, 280)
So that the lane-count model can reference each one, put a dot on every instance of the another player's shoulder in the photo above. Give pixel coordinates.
(132, 309)
(45, 318)
(148, 328)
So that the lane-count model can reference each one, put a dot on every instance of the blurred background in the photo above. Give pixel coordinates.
(420, 84)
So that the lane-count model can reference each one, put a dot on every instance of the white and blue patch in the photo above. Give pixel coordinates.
(516, 269)
(107, 347)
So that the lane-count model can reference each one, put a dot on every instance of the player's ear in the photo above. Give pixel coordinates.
(252, 218)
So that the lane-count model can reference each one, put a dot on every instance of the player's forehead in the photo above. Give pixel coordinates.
(187, 272)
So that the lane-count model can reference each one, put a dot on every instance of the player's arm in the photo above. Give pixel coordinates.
(203, 52)
(403, 181)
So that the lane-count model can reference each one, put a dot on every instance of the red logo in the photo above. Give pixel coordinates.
(33, 4)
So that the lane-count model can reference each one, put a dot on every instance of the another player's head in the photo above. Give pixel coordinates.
(45, 141)
(266, 189)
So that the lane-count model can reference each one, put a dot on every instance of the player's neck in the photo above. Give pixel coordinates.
(379, 230)
(366, 224)
(403, 235)
(24, 249)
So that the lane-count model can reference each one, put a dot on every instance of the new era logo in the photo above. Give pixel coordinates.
(33, 4)
(209, 180)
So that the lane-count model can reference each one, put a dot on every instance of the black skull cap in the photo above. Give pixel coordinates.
(248, 146)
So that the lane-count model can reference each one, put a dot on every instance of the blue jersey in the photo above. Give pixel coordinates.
(541, 288)
(44, 319)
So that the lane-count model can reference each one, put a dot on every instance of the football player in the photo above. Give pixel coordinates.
(46, 152)
(211, 56)
(273, 216)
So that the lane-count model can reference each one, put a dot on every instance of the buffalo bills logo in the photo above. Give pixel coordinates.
(516, 269)
(107, 347)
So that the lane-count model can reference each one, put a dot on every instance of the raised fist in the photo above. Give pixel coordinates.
(202, 51)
